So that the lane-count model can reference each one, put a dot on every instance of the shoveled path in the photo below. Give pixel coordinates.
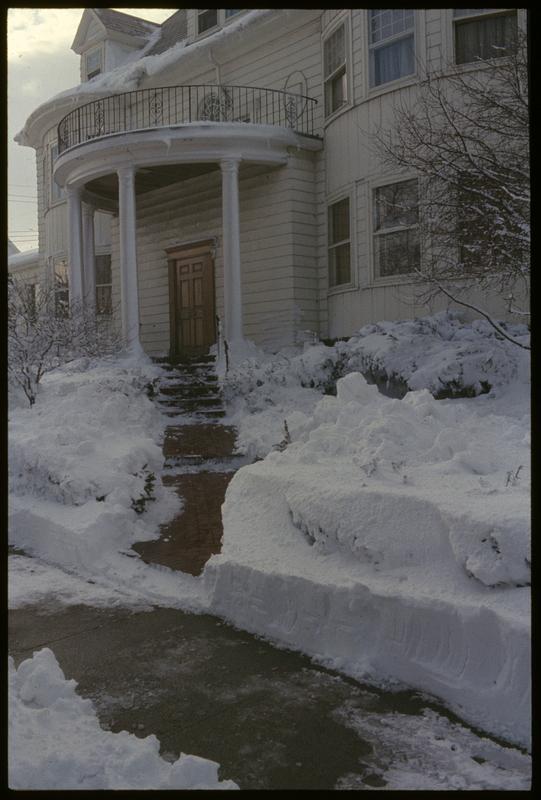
(270, 717)
(200, 460)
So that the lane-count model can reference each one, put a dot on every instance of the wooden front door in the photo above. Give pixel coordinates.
(191, 295)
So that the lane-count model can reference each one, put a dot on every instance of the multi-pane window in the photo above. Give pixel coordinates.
(335, 70)
(93, 63)
(61, 288)
(339, 243)
(206, 18)
(396, 229)
(104, 287)
(392, 44)
(483, 33)
(57, 193)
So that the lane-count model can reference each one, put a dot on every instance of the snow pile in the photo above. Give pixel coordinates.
(55, 741)
(391, 538)
(408, 752)
(441, 353)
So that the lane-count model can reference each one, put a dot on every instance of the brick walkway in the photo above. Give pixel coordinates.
(200, 460)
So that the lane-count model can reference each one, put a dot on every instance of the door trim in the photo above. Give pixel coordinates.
(178, 253)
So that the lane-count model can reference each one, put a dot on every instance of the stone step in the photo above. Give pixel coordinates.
(190, 389)
(202, 440)
(208, 414)
(190, 404)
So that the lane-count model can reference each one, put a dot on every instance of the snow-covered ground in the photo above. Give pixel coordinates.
(56, 742)
(386, 537)
(390, 538)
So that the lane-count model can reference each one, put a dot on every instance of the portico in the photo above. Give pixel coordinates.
(112, 170)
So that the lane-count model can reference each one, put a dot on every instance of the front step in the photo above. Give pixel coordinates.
(189, 390)
(190, 404)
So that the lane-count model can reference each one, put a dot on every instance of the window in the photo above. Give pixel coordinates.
(104, 288)
(61, 288)
(396, 232)
(31, 300)
(335, 73)
(339, 243)
(483, 33)
(206, 18)
(391, 44)
(93, 63)
(57, 193)
(230, 12)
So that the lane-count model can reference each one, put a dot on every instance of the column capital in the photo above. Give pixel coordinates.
(126, 172)
(230, 164)
(73, 191)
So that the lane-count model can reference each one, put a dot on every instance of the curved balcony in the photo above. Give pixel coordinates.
(168, 106)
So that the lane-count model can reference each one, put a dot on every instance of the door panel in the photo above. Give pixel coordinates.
(192, 307)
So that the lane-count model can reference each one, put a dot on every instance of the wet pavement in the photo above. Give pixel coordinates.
(270, 717)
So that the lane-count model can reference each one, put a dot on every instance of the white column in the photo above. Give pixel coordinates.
(89, 261)
(231, 249)
(129, 296)
(75, 246)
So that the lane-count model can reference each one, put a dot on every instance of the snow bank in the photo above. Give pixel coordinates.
(55, 741)
(390, 538)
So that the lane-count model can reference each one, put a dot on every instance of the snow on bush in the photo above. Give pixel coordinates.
(56, 742)
(85, 463)
(442, 354)
(91, 436)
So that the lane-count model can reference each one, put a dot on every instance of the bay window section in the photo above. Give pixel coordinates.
(57, 192)
(335, 70)
(483, 33)
(339, 243)
(396, 229)
(391, 44)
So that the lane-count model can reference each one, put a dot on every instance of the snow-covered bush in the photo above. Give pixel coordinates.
(441, 353)
(42, 335)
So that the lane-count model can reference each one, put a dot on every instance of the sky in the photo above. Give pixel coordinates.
(40, 64)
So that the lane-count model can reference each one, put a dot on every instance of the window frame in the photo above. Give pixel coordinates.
(211, 28)
(332, 200)
(104, 314)
(61, 192)
(416, 33)
(399, 277)
(481, 14)
(89, 53)
(341, 20)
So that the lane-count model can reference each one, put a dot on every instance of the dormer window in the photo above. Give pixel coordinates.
(207, 18)
(93, 65)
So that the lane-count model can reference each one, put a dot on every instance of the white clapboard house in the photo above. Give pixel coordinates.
(212, 172)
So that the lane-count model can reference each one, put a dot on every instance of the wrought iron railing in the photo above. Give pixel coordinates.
(179, 105)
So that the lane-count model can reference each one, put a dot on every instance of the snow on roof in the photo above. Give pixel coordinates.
(125, 23)
(12, 248)
(172, 30)
(26, 259)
